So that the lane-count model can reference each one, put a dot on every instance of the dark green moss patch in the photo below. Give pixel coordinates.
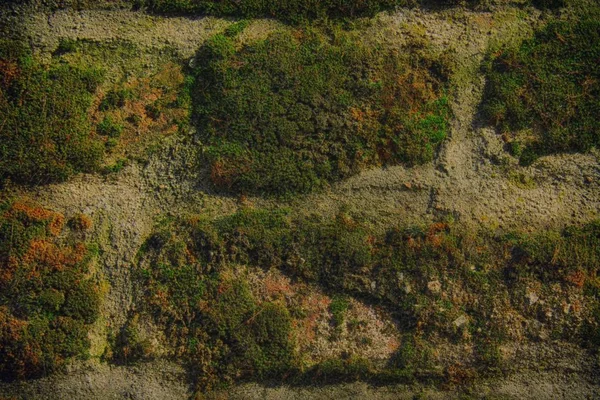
(291, 113)
(550, 85)
(289, 10)
(45, 130)
(129, 346)
(115, 99)
(107, 127)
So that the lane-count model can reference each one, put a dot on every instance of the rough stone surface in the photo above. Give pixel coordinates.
(466, 181)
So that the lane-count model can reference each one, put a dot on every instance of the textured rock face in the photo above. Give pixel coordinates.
(465, 182)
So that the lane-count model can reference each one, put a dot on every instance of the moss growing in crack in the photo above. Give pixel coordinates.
(291, 113)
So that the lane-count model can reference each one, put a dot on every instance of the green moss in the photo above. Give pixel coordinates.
(489, 357)
(66, 46)
(338, 307)
(329, 249)
(45, 134)
(549, 3)
(107, 127)
(549, 84)
(260, 235)
(228, 332)
(117, 166)
(51, 300)
(333, 250)
(413, 354)
(291, 113)
(551, 256)
(268, 345)
(83, 302)
(590, 330)
(115, 99)
(220, 319)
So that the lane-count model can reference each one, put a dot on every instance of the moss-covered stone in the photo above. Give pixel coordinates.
(46, 131)
(550, 86)
(47, 300)
(439, 280)
(292, 113)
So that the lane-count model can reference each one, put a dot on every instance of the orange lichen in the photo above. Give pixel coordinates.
(75, 255)
(414, 88)
(434, 240)
(56, 224)
(315, 306)
(223, 287)
(28, 273)
(433, 235)
(346, 220)
(43, 253)
(12, 331)
(161, 299)
(32, 212)
(357, 114)
(392, 344)
(576, 278)
(11, 327)
(438, 227)
(9, 71)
